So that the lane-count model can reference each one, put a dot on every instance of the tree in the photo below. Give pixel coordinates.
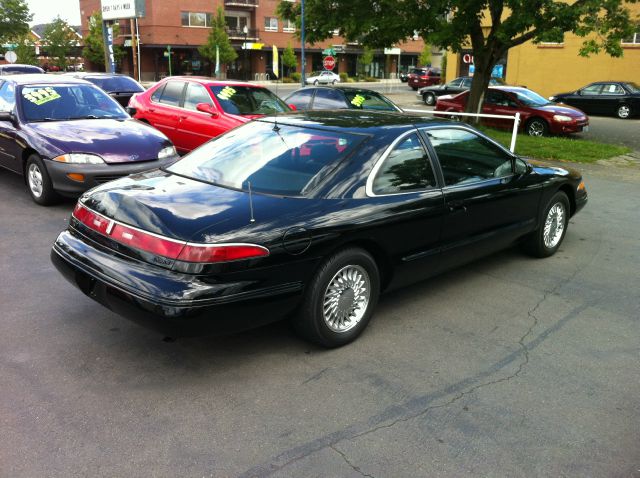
(59, 40)
(93, 50)
(26, 51)
(364, 61)
(289, 59)
(425, 56)
(491, 27)
(14, 19)
(218, 37)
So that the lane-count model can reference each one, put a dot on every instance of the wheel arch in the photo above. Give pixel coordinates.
(535, 117)
(568, 190)
(25, 155)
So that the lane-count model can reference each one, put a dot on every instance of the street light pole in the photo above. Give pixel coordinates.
(245, 30)
(302, 59)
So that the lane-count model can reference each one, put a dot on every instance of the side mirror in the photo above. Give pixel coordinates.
(293, 107)
(207, 108)
(7, 116)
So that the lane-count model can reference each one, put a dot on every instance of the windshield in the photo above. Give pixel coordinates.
(633, 87)
(368, 100)
(68, 102)
(245, 100)
(115, 83)
(287, 161)
(529, 98)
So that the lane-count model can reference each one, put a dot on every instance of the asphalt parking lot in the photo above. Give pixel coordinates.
(510, 366)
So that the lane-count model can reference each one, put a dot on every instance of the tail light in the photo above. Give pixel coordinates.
(424, 77)
(164, 246)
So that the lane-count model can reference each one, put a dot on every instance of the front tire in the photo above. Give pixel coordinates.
(38, 182)
(623, 111)
(340, 299)
(315, 82)
(546, 240)
(537, 127)
(429, 99)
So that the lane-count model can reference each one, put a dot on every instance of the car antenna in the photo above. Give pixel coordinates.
(251, 219)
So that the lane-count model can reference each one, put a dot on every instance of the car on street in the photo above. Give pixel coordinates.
(120, 87)
(66, 135)
(421, 77)
(339, 97)
(18, 69)
(610, 98)
(538, 116)
(322, 77)
(192, 110)
(430, 94)
(308, 215)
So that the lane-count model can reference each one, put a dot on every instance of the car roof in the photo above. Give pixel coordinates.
(44, 79)
(336, 87)
(357, 121)
(205, 80)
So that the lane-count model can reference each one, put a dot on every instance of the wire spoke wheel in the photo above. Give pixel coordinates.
(554, 225)
(346, 298)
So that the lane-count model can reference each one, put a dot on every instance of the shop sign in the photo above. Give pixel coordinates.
(467, 58)
(119, 9)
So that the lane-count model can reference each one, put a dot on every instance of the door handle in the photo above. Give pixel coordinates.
(457, 206)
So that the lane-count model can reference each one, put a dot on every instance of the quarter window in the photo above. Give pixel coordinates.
(467, 157)
(612, 89)
(328, 99)
(591, 89)
(196, 94)
(172, 93)
(406, 168)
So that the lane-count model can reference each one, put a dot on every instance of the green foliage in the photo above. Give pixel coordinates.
(93, 50)
(289, 57)
(453, 24)
(59, 40)
(295, 76)
(425, 56)
(443, 67)
(287, 79)
(218, 37)
(344, 77)
(365, 60)
(14, 19)
(26, 51)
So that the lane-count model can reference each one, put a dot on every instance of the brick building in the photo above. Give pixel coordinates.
(183, 25)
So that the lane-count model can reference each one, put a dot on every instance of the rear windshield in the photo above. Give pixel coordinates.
(245, 100)
(18, 69)
(115, 84)
(633, 87)
(368, 100)
(283, 160)
(68, 102)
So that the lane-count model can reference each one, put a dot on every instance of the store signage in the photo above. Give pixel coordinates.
(118, 9)
(467, 58)
(329, 63)
(392, 51)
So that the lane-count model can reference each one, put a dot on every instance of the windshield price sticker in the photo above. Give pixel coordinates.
(358, 100)
(41, 96)
(226, 93)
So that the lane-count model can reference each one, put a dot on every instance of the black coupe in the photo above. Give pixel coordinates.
(308, 215)
(611, 98)
(430, 94)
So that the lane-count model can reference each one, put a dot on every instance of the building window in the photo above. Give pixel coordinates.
(288, 26)
(633, 39)
(236, 23)
(195, 19)
(270, 24)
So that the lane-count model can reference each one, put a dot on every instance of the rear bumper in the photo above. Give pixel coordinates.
(173, 303)
(95, 174)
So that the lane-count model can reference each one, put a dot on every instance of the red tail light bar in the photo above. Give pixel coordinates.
(164, 246)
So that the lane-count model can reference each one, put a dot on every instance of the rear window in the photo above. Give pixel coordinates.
(287, 160)
(115, 84)
(245, 100)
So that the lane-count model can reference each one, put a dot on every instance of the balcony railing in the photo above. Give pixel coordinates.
(238, 34)
(241, 3)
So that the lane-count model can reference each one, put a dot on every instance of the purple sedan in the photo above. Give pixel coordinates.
(66, 135)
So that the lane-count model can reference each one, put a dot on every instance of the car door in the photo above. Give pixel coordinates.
(611, 96)
(194, 127)
(503, 104)
(403, 186)
(10, 149)
(164, 110)
(491, 197)
(586, 99)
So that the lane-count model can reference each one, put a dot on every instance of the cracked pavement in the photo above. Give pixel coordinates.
(509, 366)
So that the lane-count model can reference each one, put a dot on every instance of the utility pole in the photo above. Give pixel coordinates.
(134, 49)
(302, 59)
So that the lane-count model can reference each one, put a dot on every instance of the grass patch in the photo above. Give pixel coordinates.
(558, 148)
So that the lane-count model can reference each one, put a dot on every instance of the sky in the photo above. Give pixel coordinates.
(46, 10)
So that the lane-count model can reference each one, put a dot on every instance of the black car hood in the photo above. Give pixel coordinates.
(546, 169)
(190, 210)
(116, 141)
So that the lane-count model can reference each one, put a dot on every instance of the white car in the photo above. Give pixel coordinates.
(325, 77)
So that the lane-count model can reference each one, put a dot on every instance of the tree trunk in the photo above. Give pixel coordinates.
(481, 76)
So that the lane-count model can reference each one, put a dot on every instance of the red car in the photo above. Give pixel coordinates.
(191, 110)
(538, 116)
(421, 77)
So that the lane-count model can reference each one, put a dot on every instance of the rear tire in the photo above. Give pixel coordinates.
(429, 99)
(340, 299)
(39, 182)
(623, 111)
(546, 240)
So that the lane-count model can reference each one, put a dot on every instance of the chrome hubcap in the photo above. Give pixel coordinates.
(536, 129)
(554, 225)
(623, 111)
(34, 176)
(346, 298)
(430, 99)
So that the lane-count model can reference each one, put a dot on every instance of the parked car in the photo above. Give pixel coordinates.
(619, 98)
(322, 77)
(120, 87)
(429, 94)
(339, 97)
(404, 76)
(421, 77)
(66, 135)
(192, 110)
(311, 215)
(538, 116)
(18, 69)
